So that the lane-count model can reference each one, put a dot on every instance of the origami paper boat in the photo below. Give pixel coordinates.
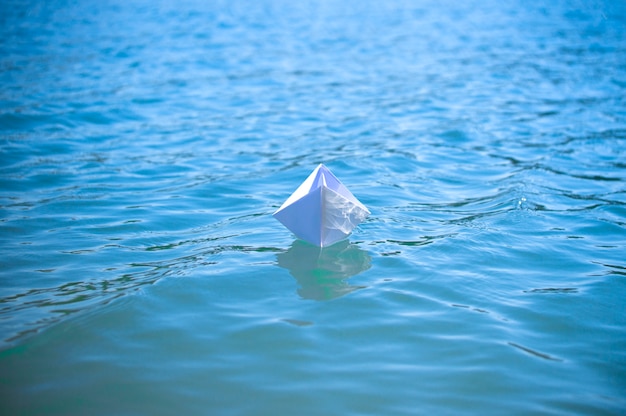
(322, 210)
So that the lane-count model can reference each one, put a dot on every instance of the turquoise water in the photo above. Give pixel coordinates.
(145, 145)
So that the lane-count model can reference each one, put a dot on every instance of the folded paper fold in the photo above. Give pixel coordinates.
(322, 210)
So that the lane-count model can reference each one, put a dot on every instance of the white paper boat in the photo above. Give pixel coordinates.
(322, 210)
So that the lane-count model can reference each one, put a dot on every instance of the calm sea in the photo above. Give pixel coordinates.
(144, 146)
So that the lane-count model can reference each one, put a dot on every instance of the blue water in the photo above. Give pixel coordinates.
(144, 146)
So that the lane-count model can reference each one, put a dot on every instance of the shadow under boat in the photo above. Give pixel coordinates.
(322, 273)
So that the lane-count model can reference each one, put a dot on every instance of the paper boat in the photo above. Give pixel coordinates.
(322, 210)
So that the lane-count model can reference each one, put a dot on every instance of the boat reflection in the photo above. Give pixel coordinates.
(322, 273)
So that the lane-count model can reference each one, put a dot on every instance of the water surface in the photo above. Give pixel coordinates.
(144, 146)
